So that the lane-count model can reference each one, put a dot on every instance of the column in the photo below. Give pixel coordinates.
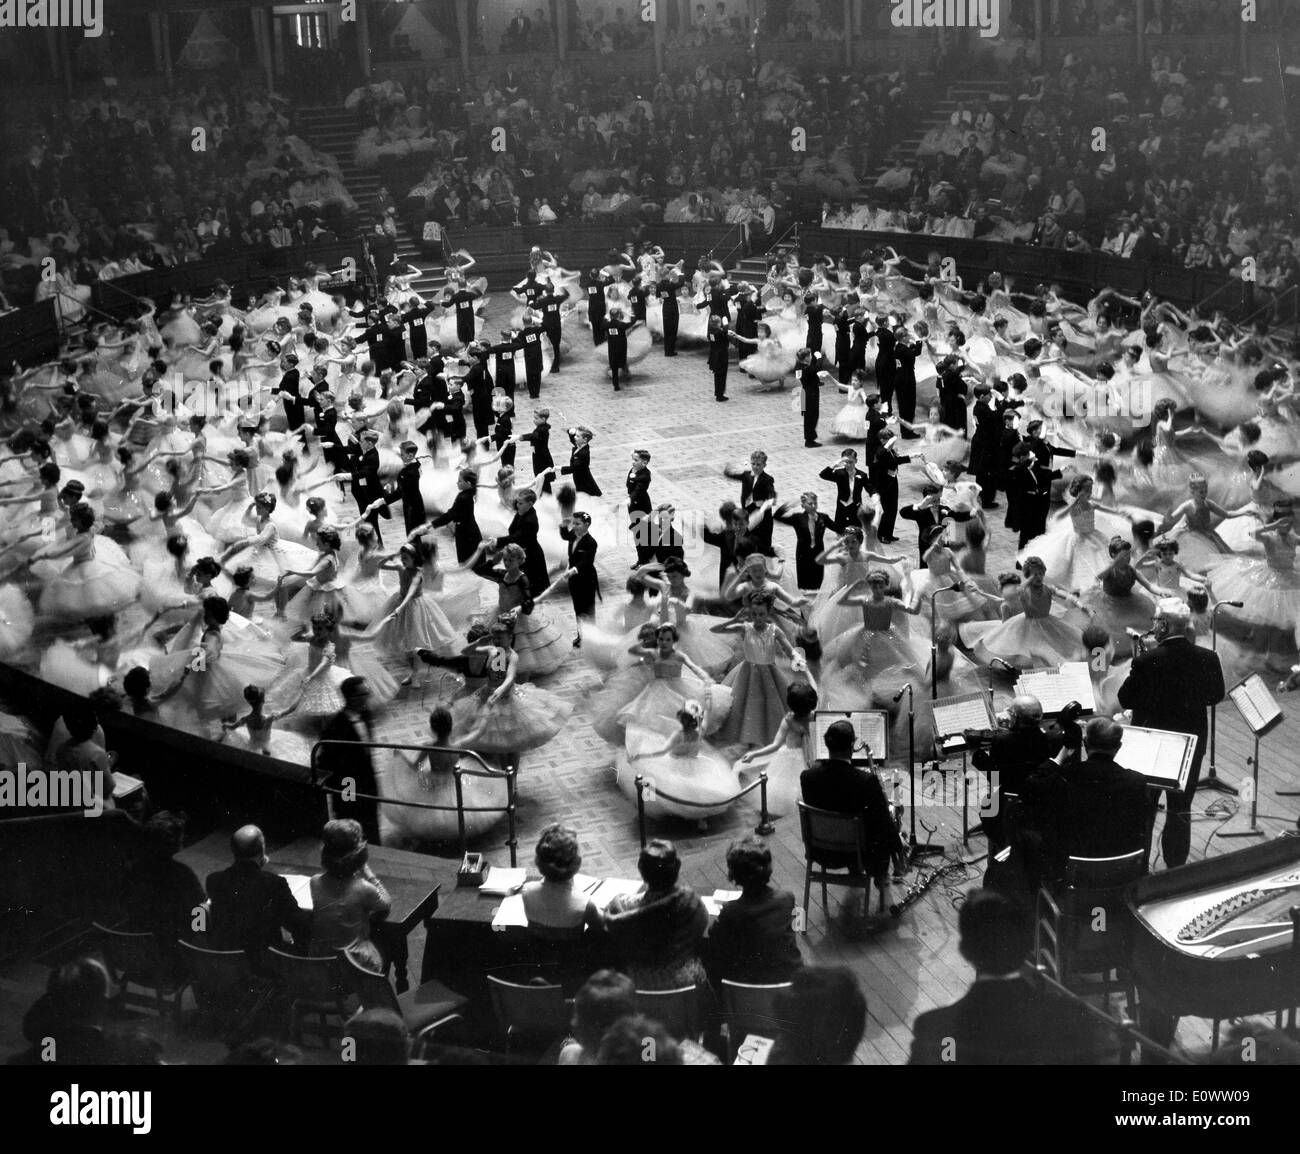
(1142, 30)
(848, 33)
(1038, 29)
(658, 31)
(165, 20)
(155, 38)
(262, 38)
(857, 18)
(562, 28)
(463, 31)
(1243, 51)
(52, 43)
(277, 41)
(363, 38)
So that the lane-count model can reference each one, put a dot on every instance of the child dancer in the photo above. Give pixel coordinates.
(786, 757)
(758, 686)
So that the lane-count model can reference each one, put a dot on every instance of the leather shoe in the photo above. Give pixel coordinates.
(812, 444)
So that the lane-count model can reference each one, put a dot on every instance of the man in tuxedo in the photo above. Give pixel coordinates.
(584, 583)
(523, 530)
(1029, 494)
(348, 767)
(748, 313)
(877, 430)
(886, 362)
(639, 507)
(416, 332)
(721, 338)
(834, 783)
(809, 525)
(756, 488)
(1003, 1019)
(549, 303)
(479, 383)
(367, 488)
(290, 390)
(252, 908)
(929, 514)
(1042, 451)
(579, 466)
(1171, 687)
(984, 444)
(597, 282)
(667, 290)
(1092, 809)
(811, 367)
(407, 488)
(884, 479)
(531, 339)
(850, 485)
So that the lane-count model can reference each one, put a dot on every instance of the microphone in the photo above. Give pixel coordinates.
(1005, 665)
(1230, 604)
(899, 695)
(1135, 634)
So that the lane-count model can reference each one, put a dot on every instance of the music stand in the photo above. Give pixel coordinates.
(870, 725)
(1259, 709)
(949, 718)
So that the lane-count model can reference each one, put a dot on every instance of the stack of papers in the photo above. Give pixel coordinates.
(610, 888)
(510, 913)
(715, 901)
(500, 882)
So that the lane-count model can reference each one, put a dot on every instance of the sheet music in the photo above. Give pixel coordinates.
(510, 913)
(952, 715)
(1056, 688)
(1163, 757)
(1257, 706)
(871, 726)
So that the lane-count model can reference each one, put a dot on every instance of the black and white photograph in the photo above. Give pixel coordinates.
(402, 663)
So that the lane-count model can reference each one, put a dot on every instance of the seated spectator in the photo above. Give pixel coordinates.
(82, 754)
(834, 783)
(66, 1025)
(752, 939)
(554, 909)
(823, 1016)
(1003, 1019)
(637, 1041)
(160, 894)
(602, 1000)
(378, 1038)
(252, 908)
(657, 932)
(346, 895)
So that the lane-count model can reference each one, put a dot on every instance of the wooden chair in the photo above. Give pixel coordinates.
(138, 960)
(425, 1009)
(226, 988)
(533, 1012)
(1082, 954)
(678, 1011)
(748, 1009)
(312, 986)
(828, 833)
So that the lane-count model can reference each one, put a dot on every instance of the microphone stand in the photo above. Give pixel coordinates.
(918, 849)
(1211, 780)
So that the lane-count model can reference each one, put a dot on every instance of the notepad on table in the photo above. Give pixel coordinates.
(500, 882)
(610, 888)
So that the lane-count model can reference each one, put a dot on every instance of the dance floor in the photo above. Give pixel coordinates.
(668, 408)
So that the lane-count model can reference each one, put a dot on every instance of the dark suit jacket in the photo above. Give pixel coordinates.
(850, 484)
(752, 939)
(638, 491)
(584, 585)
(250, 906)
(1004, 1023)
(1092, 809)
(461, 515)
(809, 544)
(579, 467)
(1172, 685)
(843, 788)
(339, 762)
(408, 490)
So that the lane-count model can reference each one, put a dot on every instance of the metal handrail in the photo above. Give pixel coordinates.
(85, 305)
(508, 775)
(764, 826)
(1268, 306)
(1124, 1027)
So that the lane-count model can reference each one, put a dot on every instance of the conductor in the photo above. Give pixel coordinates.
(1170, 687)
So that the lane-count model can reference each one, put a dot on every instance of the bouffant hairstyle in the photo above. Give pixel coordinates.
(749, 863)
(558, 854)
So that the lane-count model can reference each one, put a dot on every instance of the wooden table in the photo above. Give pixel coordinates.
(412, 881)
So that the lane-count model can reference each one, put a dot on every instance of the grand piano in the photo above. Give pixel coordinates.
(1218, 938)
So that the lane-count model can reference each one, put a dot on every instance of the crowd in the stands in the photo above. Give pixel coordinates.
(117, 183)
